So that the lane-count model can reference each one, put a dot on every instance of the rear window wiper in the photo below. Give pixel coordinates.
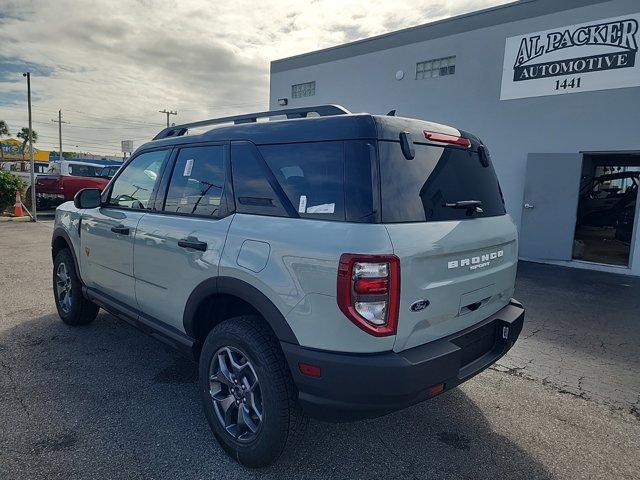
(471, 206)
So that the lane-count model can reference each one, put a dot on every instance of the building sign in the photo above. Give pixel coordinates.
(127, 146)
(12, 150)
(590, 56)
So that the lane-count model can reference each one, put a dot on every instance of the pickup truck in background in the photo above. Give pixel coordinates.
(66, 178)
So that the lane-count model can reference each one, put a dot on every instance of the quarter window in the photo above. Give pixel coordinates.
(312, 176)
(438, 67)
(197, 183)
(300, 90)
(134, 186)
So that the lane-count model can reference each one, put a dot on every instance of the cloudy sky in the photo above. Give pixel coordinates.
(110, 65)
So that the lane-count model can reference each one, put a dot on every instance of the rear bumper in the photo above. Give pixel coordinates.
(356, 386)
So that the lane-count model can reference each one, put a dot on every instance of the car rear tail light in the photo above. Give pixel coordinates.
(369, 291)
(445, 138)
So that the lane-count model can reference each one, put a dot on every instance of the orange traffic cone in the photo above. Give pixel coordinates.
(17, 208)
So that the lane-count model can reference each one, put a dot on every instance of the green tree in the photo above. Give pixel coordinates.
(4, 132)
(9, 185)
(24, 135)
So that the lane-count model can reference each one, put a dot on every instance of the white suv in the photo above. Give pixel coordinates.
(339, 266)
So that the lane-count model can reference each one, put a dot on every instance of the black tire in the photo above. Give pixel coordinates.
(72, 308)
(282, 424)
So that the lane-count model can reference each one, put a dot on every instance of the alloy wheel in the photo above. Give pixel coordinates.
(64, 292)
(235, 393)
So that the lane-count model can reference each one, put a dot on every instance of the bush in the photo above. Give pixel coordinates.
(9, 185)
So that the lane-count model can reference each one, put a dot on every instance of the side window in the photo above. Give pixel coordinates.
(79, 170)
(253, 192)
(312, 176)
(133, 187)
(197, 182)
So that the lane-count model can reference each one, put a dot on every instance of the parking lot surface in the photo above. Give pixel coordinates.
(106, 401)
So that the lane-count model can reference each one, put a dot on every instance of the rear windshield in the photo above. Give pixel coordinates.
(417, 190)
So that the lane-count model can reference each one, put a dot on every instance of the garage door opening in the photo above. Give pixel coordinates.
(606, 208)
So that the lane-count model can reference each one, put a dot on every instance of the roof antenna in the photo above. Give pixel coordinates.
(392, 113)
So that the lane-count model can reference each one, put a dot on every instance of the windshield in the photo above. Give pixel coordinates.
(439, 184)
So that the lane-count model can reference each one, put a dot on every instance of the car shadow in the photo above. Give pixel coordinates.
(107, 401)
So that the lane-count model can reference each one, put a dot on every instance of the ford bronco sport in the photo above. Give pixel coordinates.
(334, 265)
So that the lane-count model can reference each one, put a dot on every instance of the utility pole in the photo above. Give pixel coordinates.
(34, 215)
(59, 122)
(167, 113)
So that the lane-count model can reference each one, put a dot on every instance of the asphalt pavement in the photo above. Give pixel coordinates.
(106, 401)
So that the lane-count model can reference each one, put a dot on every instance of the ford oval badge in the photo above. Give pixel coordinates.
(419, 305)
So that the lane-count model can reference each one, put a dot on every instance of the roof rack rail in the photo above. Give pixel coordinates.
(302, 112)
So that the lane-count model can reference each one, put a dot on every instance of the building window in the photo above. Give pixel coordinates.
(437, 67)
(300, 90)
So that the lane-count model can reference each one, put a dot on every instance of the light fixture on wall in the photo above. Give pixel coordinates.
(283, 102)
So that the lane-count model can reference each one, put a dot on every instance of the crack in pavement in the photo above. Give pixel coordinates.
(14, 387)
(633, 409)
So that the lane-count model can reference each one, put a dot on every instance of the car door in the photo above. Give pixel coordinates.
(108, 232)
(179, 245)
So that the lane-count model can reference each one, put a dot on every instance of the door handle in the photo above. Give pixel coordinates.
(528, 205)
(192, 243)
(121, 229)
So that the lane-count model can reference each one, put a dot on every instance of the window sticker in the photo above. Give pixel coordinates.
(187, 168)
(324, 208)
(302, 206)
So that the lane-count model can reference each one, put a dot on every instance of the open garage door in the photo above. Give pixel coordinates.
(550, 204)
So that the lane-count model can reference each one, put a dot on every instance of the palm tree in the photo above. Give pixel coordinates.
(4, 132)
(24, 135)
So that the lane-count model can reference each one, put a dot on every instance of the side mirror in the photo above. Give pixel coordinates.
(87, 198)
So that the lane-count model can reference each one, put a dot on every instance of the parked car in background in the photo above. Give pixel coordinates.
(64, 179)
(23, 169)
(603, 200)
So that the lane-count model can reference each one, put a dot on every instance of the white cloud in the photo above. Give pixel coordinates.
(112, 64)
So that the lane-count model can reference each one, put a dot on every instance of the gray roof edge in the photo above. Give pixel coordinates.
(509, 12)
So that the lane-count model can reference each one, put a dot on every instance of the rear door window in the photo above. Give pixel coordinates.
(197, 183)
(254, 186)
(311, 175)
(418, 190)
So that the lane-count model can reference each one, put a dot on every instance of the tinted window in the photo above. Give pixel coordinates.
(134, 185)
(108, 172)
(79, 170)
(311, 175)
(197, 181)
(417, 190)
(253, 192)
(361, 180)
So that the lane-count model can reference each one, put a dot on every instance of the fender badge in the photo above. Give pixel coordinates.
(87, 251)
(419, 305)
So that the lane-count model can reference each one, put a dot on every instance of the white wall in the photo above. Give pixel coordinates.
(469, 100)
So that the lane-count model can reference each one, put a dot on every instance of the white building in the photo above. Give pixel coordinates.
(552, 87)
